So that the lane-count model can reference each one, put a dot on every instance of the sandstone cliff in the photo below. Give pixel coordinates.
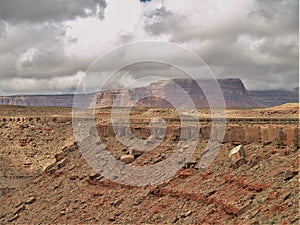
(41, 100)
(235, 94)
(37, 100)
(275, 97)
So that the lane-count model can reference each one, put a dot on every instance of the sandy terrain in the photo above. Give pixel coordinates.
(43, 172)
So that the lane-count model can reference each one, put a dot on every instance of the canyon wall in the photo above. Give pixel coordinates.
(38, 100)
(275, 97)
(281, 134)
(235, 95)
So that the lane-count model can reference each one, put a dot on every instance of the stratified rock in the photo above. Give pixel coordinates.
(234, 92)
(237, 156)
(274, 97)
(127, 158)
(44, 100)
(233, 89)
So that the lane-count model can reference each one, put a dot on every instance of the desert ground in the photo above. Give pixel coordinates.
(45, 179)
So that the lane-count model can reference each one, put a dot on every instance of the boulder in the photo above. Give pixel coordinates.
(237, 156)
(127, 158)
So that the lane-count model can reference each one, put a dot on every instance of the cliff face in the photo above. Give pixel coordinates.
(275, 97)
(44, 100)
(235, 94)
(37, 100)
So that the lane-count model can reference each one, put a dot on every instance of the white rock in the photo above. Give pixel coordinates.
(127, 158)
(237, 153)
(237, 156)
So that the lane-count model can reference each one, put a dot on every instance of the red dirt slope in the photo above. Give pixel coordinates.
(264, 191)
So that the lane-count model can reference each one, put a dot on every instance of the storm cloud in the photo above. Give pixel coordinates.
(46, 45)
(37, 11)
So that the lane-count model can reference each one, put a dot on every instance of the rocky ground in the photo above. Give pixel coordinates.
(60, 187)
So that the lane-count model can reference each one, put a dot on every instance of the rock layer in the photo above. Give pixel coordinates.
(235, 94)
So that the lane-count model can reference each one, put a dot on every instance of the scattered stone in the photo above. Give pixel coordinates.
(95, 175)
(255, 223)
(255, 160)
(2, 215)
(237, 153)
(186, 214)
(151, 139)
(96, 193)
(286, 196)
(288, 175)
(14, 218)
(135, 152)
(112, 218)
(159, 158)
(117, 202)
(137, 200)
(244, 209)
(237, 156)
(30, 200)
(62, 163)
(19, 209)
(185, 147)
(210, 193)
(127, 158)
(190, 164)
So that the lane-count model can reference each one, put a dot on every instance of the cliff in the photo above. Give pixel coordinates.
(38, 100)
(42, 100)
(235, 94)
(275, 97)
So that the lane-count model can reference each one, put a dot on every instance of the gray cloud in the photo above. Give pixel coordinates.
(33, 41)
(259, 46)
(256, 40)
(162, 21)
(37, 11)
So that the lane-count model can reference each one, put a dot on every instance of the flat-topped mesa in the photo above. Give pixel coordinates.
(38, 100)
(233, 86)
(234, 91)
(275, 97)
(235, 94)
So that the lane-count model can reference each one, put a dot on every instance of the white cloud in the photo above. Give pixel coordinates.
(45, 43)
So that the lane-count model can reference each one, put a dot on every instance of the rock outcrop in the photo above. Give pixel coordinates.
(41, 100)
(235, 94)
(37, 100)
(275, 97)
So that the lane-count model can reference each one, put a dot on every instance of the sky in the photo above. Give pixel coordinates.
(47, 45)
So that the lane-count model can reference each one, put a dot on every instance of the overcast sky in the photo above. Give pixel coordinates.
(47, 45)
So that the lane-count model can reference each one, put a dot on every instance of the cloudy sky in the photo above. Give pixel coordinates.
(47, 45)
